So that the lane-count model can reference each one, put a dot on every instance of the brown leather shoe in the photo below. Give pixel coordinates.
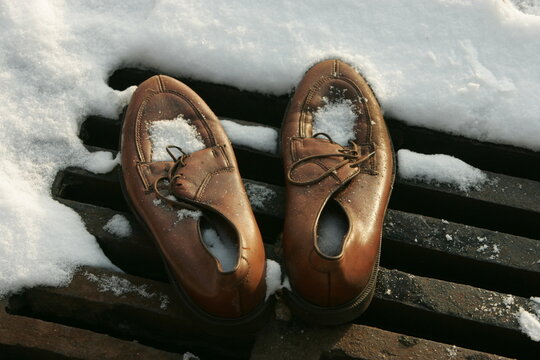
(337, 194)
(207, 196)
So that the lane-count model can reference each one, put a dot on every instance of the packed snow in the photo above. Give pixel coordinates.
(178, 132)
(186, 213)
(273, 278)
(118, 225)
(259, 195)
(530, 323)
(336, 119)
(439, 169)
(331, 230)
(221, 247)
(465, 67)
(255, 137)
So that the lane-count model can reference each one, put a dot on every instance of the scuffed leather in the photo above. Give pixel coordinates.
(362, 192)
(209, 180)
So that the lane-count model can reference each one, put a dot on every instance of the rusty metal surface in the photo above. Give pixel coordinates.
(128, 307)
(294, 341)
(23, 337)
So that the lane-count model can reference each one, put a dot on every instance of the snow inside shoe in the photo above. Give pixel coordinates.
(339, 167)
(181, 179)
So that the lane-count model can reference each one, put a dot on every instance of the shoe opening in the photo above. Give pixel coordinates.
(332, 227)
(221, 240)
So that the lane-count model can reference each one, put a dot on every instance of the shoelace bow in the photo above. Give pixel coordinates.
(351, 156)
(171, 176)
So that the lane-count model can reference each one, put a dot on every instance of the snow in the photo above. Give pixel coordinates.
(185, 213)
(118, 225)
(259, 195)
(178, 132)
(121, 286)
(530, 323)
(273, 278)
(439, 169)
(222, 248)
(465, 67)
(331, 231)
(336, 119)
(189, 356)
(255, 137)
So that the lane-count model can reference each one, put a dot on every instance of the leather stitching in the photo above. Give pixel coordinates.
(204, 183)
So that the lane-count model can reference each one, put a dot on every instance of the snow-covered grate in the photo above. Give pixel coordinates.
(457, 266)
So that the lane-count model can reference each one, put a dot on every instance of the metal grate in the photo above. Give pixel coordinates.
(432, 293)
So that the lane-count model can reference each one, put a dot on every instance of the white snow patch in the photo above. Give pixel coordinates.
(189, 356)
(452, 351)
(186, 213)
(337, 119)
(273, 278)
(222, 248)
(455, 66)
(260, 138)
(120, 286)
(259, 195)
(482, 248)
(508, 301)
(439, 169)
(448, 237)
(118, 225)
(178, 132)
(331, 231)
(530, 323)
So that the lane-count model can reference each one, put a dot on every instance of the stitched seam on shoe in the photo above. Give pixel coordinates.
(311, 92)
(224, 153)
(160, 83)
(204, 183)
(138, 122)
(140, 169)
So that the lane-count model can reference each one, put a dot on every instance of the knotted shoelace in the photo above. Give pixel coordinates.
(179, 162)
(350, 154)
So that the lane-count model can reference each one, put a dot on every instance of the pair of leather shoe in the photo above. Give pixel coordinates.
(183, 196)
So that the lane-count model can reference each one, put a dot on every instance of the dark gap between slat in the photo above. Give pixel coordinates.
(22, 352)
(464, 210)
(458, 269)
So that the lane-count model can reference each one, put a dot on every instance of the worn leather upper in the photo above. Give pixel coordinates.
(207, 180)
(362, 189)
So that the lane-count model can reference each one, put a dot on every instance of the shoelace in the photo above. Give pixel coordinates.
(351, 156)
(178, 162)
